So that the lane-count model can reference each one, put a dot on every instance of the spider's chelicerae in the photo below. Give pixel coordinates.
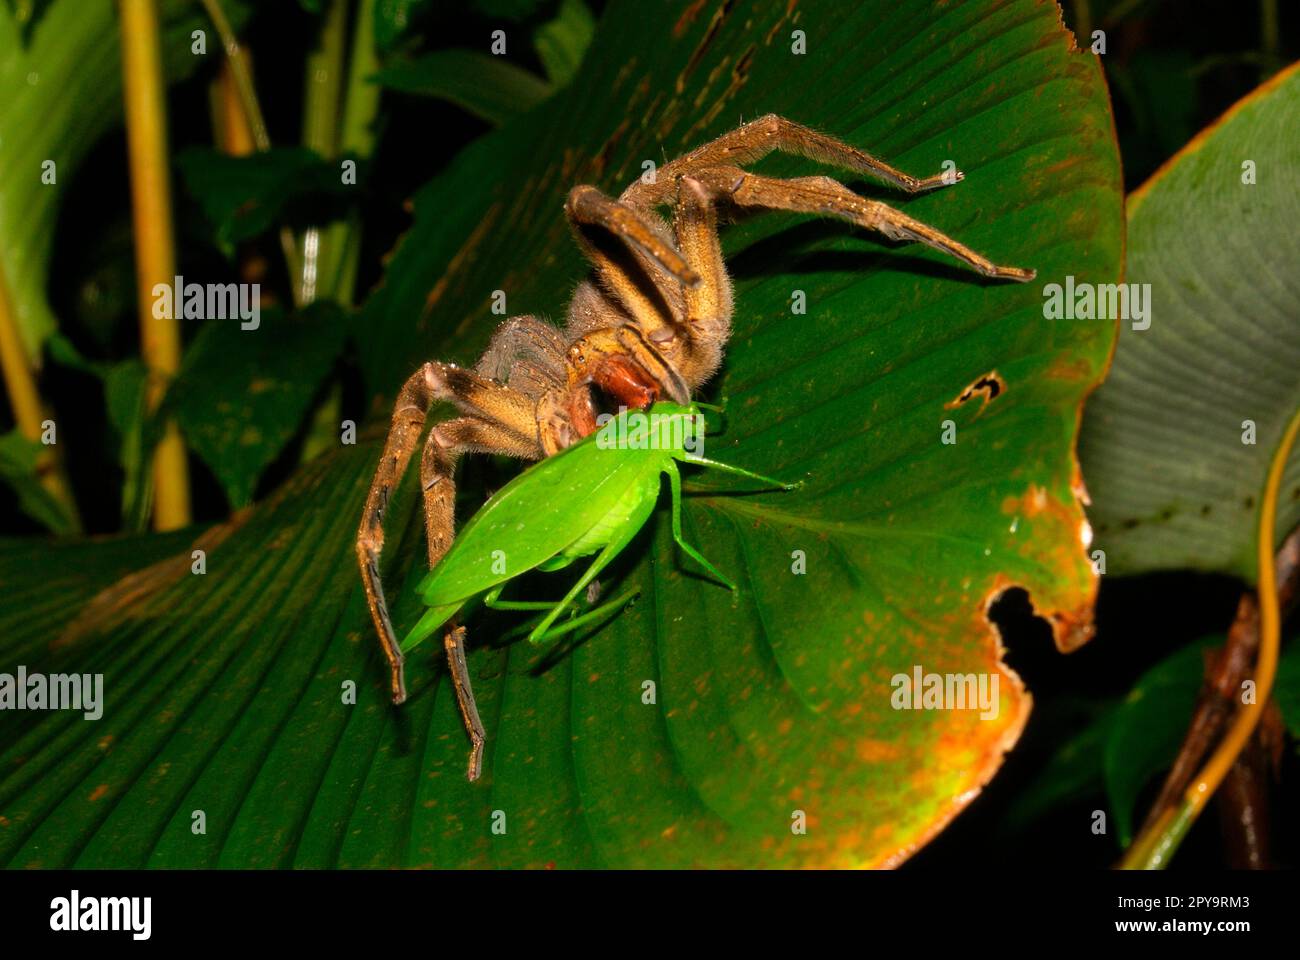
(651, 321)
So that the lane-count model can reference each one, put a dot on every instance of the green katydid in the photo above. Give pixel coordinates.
(608, 484)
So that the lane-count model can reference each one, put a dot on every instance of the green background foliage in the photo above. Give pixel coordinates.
(1163, 445)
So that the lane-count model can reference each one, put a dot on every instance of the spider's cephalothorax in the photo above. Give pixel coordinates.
(650, 323)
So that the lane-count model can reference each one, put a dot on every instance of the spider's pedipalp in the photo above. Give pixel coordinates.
(626, 365)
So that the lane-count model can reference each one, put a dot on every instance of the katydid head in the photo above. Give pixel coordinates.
(680, 428)
(672, 429)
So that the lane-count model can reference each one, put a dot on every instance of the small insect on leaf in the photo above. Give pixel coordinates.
(606, 487)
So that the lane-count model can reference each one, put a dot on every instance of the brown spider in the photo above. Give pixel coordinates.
(651, 321)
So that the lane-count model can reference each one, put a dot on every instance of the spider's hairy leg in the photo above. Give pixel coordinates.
(707, 306)
(823, 196)
(587, 206)
(447, 441)
(454, 642)
(754, 140)
(644, 277)
(409, 413)
(433, 381)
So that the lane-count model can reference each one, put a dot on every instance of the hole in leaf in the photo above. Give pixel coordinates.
(987, 387)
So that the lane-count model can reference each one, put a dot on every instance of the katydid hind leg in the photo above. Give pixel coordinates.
(603, 559)
(493, 601)
(675, 485)
(594, 614)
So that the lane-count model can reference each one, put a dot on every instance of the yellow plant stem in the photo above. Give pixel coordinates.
(20, 384)
(238, 59)
(231, 130)
(1153, 849)
(146, 127)
(25, 401)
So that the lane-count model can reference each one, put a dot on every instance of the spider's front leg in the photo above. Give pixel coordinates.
(587, 206)
(639, 278)
(679, 302)
(823, 196)
(754, 140)
(596, 219)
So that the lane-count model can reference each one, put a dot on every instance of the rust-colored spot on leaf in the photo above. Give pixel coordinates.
(688, 17)
(709, 36)
(1072, 368)
(115, 602)
(739, 75)
(771, 34)
(878, 751)
(1032, 503)
(601, 161)
(460, 257)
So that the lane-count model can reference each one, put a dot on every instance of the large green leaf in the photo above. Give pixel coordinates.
(1174, 482)
(224, 690)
